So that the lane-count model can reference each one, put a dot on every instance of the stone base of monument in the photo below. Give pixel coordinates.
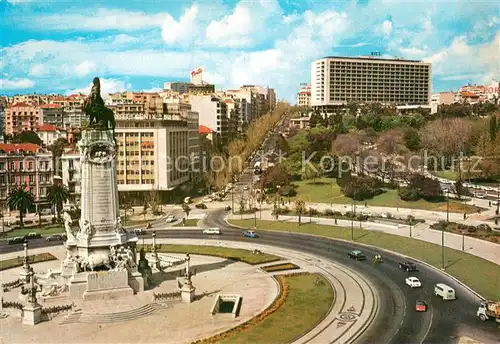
(105, 285)
(187, 293)
(32, 314)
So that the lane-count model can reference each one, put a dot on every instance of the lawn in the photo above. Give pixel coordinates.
(47, 230)
(326, 190)
(446, 174)
(15, 262)
(245, 256)
(304, 301)
(481, 275)
(188, 223)
(280, 267)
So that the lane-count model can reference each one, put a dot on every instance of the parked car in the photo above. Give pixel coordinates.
(413, 282)
(250, 234)
(482, 196)
(16, 240)
(227, 208)
(55, 237)
(33, 235)
(45, 211)
(170, 219)
(420, 306)
(201, 206)
(408, 266)
(139, 231)
(356, 254)
(212, 231)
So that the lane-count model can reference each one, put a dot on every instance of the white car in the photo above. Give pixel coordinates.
(480, 196)
(207, 200)
(413, 282)
(170, 219)
(212, 231)
(245, 187)
(495, 202)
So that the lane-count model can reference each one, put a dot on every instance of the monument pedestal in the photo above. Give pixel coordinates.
(32, 314)
(187, 293)
(136, 282)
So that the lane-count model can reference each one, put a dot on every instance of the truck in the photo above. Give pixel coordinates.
(489, 309)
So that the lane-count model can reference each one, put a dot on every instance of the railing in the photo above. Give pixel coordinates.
(57, 309)
(12, 284)
(166, 296)
(12, 304)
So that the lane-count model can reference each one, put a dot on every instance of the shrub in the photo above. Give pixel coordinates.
(337, 214)
(53, 220)
(328, 212)
(313, 211)
(408, 194)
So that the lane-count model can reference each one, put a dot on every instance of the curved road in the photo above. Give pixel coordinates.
(396, 322)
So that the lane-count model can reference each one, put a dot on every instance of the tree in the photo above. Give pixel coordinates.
(361, 188)
(242, 204)
(493, 127)
(300, 208)
(346, 146)
(57, 149)
(27, 137)
(20, 199)
(460, 189)
(274, 176)
(57, 195)
(411, 139)
(310, 172)
(427, 188)
(125, 203)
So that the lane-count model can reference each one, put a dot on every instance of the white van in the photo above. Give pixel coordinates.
(444, 291)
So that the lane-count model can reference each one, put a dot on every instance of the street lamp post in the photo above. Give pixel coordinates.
(447, 207)
(352, 221)
(498, 199)
(463, 240)
(411, 223)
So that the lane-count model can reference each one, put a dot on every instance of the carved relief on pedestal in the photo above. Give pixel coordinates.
(100, 152)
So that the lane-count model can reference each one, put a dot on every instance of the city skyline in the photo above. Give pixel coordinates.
(139, 46)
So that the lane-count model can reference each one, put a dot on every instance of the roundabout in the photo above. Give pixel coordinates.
(389, 319)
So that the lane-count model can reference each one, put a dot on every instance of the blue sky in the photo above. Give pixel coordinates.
(58, 46)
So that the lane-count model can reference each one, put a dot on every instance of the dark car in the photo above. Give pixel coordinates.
(408, 266)
(16, 240)
(201, 206)
(228, 207)
(356, 254)
(421, 306)
(33, 235)
(56, 237)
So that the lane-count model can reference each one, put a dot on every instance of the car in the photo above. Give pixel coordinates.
(46, 211)
(16, 240)
(356, 254)
(408, 266)
(33, 235)
(55, 237)
(139, 231)
(245, 188)
(495, 202)
(413, 282)
(207, 200)
(420, 306)
(212, 231)
(482, 196)
(170, 219)
(201, 206)
(227, 208)
(250, 234)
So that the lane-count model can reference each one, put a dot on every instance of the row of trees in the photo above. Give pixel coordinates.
(21, 199)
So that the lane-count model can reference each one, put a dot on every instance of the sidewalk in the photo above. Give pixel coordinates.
(480, 248)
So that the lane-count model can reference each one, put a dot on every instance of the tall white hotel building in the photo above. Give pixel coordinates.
(336, 81)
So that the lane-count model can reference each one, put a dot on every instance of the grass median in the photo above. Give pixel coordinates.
(18, 261)
(242, 255)
(188, 223)
(304, 301)
(481, 275)
(326, 190)
(47, 230)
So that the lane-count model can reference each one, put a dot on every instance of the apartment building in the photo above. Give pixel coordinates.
(179, 87)
(50, 134)
(152, 104)
(25, 164)
(71, 169)
(336, 81)
(441, 98)
(21, 117)
(189, 87)
(2, 118)
(128, 110)
(304, 96)
(73, 117)
(52, 114)
(31, 99)
(212, 112)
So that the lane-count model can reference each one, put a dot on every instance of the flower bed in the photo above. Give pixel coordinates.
(483, 231)
(280, 267)
(18, 261)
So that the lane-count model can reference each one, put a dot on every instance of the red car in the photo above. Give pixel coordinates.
(421, 306)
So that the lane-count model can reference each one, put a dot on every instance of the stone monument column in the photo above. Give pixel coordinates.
(100, 224)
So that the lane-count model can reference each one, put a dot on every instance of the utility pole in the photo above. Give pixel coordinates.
(352, 221)
(498, 198)
(447, 207)
(463, 241)
(411, 223)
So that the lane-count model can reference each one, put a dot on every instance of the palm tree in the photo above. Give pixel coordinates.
(57, 195)
(21, 199)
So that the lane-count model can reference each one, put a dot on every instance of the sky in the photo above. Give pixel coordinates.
(58, 46)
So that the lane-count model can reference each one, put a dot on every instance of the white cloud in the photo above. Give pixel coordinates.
(16, 84)
(245, 26)
(184, 30)
(387, 27)
(474, 76)
(107, 86)
(103, 19)
(213, 78)
(85, 68)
